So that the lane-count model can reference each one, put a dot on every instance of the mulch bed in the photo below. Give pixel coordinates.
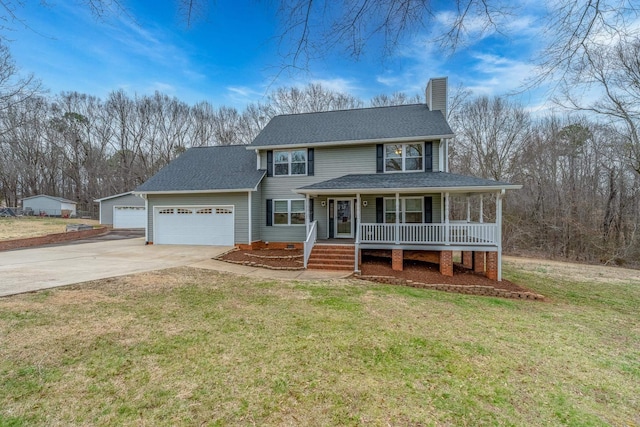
(425, 272)
(415, 273)
(276, 259)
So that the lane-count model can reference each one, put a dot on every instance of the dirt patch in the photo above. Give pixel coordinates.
(289, 259)
(423, 272)
(575, 271)
(25, 227)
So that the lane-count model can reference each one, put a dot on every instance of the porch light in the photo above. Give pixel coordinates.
(365, 203)
(398, 151)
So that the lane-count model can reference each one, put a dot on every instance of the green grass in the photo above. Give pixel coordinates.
(192, 347)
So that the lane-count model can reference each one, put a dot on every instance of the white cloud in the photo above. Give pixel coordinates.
(337, 84)
(497, 75)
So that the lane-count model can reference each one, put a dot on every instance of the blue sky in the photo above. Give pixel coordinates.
(233, 57)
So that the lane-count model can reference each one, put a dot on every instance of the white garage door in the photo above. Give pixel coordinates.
(129, 217)
(193, 225)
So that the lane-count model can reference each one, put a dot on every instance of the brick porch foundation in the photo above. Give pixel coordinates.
(446, 263)
(397, 260)
(478, 262)
(467, 259)
(492, 265)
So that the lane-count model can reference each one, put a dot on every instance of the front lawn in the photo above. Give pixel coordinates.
(193, 347)
(23, 227)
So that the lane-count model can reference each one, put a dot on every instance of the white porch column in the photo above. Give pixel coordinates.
(468, 209)
(397, 218)
(358, 220)
(306, 214)
(499, 231)
(249, 240)
(481, 220)
(446, 218)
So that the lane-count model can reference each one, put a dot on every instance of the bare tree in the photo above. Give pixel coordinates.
(490, 135)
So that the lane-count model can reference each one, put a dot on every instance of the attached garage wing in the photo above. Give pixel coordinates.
(194, 225)
(129, 217)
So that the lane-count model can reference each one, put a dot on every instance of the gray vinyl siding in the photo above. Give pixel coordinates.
(436, 156)
(330, 162)
(439, 94)
(257, 212)
(368, 213)
(238, 200)
(106, 206)
(436, 207)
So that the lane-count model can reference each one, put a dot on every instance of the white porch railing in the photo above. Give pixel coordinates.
(443, 234)
(311, 241)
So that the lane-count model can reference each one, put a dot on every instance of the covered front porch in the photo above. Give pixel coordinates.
(409, 220)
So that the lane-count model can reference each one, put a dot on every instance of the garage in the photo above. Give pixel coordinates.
(194, 225)
(129, 217)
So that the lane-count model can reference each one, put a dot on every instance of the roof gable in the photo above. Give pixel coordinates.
(219, 168)
(358, 125)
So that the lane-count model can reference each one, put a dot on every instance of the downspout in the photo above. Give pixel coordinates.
(146, 210)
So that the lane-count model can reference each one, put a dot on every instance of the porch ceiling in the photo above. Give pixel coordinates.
(403, 182)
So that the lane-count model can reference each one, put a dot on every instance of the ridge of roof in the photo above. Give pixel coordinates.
(351, 109)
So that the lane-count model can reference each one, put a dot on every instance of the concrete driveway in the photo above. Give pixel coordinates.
(32, 269)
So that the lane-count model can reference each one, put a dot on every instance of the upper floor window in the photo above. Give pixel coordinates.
(290, 162)
(403, 157)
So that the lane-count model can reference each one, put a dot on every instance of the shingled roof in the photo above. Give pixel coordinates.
(438, 181)
(220, 168)
(354, 126)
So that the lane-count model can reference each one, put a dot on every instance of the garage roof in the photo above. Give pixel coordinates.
(207, 169)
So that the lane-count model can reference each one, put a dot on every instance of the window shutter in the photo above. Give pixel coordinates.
(428, 156)
(379, 158)
(269, 164)
(379, 210)
(269, 212)
(428, 209)
(310, 167)
(311, 209)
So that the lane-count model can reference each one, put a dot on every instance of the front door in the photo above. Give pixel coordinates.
(343, 218)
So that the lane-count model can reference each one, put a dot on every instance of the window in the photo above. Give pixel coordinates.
(290, 162)
(224, 211)
(403, 157)
(166, 211)
(410, 210)
(182, 211)
(204, 211)
(288, 212)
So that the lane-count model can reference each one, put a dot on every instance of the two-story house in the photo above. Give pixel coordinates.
(350, 180)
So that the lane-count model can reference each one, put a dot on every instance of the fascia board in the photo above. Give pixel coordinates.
(406, 190)
(234, 190)
(350, 142)
(114, 196)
